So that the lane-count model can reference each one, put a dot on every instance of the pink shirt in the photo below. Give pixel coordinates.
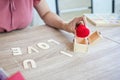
(15, 14)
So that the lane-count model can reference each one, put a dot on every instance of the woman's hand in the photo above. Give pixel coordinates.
(54, 20)
(70, 27)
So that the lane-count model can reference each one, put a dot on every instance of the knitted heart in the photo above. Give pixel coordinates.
(82, 31)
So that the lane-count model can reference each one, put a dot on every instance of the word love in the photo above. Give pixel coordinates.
(31, 49)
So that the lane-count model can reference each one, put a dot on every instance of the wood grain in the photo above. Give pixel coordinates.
(102, 62)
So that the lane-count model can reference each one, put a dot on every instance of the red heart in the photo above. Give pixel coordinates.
(82, 31)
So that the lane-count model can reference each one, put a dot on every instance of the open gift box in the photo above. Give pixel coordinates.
(81, 44)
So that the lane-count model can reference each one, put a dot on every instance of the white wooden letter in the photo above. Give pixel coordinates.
(43, 45)
(54, 41)
(16, 51)
(30, 49)
(26, 62)
(65, 53)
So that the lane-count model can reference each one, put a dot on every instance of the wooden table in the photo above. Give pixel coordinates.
(102, 62)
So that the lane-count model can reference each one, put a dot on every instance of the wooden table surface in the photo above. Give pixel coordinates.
(101, 62)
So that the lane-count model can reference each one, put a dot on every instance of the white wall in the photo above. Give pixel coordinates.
(36, 19)
(117, 6)
(102, 6)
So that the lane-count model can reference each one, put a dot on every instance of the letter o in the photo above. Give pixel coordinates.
(43, 45)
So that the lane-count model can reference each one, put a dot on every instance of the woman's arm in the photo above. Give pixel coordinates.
(54, 20)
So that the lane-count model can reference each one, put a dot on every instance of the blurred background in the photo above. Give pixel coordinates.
(68, 9)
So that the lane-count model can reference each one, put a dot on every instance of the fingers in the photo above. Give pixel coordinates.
(74, 23)
(84, 20)
(79, 20)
